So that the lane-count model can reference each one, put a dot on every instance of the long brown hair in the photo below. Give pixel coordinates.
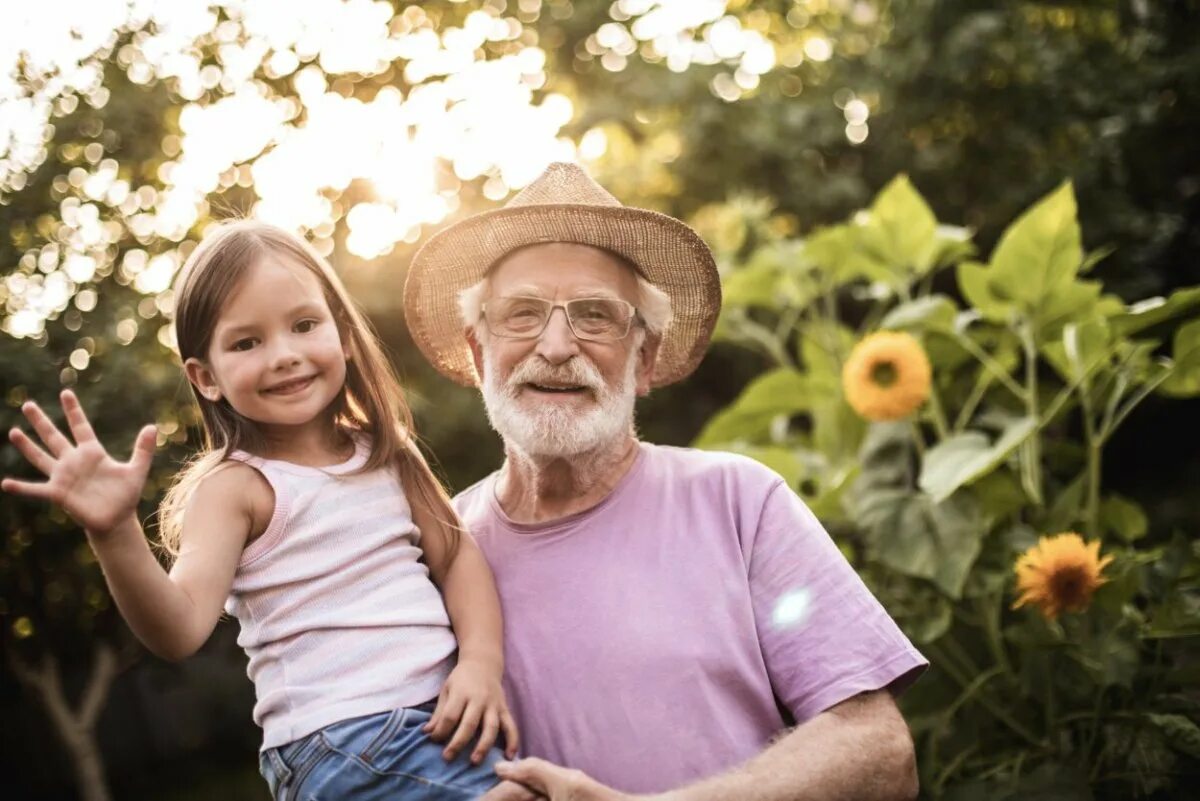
(371, 401)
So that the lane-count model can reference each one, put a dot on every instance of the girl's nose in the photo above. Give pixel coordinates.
(283, 355)
(557, 342)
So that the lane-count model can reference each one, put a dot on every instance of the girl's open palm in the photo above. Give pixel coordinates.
(95, 489)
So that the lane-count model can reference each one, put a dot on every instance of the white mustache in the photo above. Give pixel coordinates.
(535, 370)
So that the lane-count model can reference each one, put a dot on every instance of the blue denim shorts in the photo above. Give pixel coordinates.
(375, 757)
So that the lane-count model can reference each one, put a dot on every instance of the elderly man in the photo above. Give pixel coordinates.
(669, 612)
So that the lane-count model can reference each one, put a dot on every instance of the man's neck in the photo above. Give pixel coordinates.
(536, 489)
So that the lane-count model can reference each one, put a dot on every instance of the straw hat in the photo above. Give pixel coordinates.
(563, 205)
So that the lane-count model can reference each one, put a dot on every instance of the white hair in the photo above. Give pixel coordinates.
(548, 430)
(653, 305)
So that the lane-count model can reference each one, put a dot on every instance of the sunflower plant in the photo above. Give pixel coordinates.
(946, 417)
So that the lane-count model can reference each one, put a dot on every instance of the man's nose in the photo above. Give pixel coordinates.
(557, 342)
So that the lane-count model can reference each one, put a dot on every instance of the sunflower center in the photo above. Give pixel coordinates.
(1071, 587)
(884, 374)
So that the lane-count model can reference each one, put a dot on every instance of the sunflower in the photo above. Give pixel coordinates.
(1059, 574)
(887, 376)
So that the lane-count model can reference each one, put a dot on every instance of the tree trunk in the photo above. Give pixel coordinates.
(76, 728)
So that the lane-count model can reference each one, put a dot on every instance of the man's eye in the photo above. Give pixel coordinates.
(244, 344)
(304, 326)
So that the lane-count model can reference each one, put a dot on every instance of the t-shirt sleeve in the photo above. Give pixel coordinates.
(824, 636)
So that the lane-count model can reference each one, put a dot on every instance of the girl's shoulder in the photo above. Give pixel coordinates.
(237, 486)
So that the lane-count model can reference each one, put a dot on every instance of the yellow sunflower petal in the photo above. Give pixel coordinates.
(887, 376)
(1059, 574)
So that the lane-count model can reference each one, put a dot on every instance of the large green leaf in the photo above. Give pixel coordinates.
(780, 391)
(1184, 380)
(1034, 267)
(898, 238)
(914, 536)
(962, 458)
(1040, 253)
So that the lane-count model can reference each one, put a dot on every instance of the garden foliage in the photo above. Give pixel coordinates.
(1034, 368)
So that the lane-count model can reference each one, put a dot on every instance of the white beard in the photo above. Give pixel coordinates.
(550, 430)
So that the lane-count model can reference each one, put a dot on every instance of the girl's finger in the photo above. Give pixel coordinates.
(30, 489)
(81, 429)
(439, 711)
(51, 437)
(512, 738)
(487, 736)
(451, 713)
(466, 728)
(143, 450)
(30, 450)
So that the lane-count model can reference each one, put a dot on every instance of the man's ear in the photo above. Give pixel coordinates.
(202, 379)
(476, 350)
(647, 357)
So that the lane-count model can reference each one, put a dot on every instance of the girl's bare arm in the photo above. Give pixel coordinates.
(472, 698)
(172, 614)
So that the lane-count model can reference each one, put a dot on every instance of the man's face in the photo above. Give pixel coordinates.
(556, 394)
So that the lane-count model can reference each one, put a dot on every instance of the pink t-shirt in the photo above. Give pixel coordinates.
(648, 638)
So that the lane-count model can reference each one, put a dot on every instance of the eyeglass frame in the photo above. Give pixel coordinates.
(635, 317)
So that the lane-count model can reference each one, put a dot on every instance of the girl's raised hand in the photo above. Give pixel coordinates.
(92, 487)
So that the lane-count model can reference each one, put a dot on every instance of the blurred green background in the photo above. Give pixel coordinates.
(127, 127)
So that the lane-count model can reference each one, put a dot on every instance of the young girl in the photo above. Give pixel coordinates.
(311, 516)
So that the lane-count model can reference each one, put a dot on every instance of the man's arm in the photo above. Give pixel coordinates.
(858, 750)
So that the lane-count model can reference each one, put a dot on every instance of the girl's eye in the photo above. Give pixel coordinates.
(304, 326)
(243, 344)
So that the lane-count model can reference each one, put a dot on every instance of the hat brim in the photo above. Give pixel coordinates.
(669, 254)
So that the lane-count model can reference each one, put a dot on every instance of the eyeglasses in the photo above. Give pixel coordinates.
(594, 319)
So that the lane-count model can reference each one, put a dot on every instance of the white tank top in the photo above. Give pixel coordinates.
(338, 617)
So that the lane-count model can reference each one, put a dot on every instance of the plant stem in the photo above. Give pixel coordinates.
(1033, 446)
(989, 612)
(937, 414)
(964, 414)
(1092, 515)
(992, 365)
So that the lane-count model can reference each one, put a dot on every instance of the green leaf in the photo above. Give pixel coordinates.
(1184, 380)
(834, 250)
(1177, 616)
(962, 458)
(1181, 732)
(899, 233)
(931, 312)
(1040, 253)
(916, 537)
(975, 283)
(1082, 345)
(1151, 312)
(1124, 518)
(780, 391)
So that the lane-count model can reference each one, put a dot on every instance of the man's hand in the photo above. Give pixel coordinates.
(554, 783)
(511, 791)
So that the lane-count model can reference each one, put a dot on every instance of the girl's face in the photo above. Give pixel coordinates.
(276, 354)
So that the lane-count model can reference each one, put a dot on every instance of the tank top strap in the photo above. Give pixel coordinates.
(283, 492)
